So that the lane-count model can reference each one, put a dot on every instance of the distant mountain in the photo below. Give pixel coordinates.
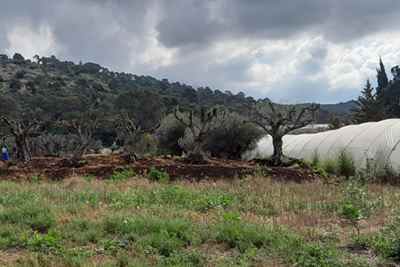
(342, 108)
(61, 86)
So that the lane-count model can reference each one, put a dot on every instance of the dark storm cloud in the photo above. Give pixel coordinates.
(123, 35)
(189, 22)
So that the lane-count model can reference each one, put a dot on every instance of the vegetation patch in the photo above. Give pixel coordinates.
(120, 175)
(256, 221)
(157, 175)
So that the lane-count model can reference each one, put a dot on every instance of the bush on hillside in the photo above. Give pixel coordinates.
(142, 146)
(168, 134)
(232, 137)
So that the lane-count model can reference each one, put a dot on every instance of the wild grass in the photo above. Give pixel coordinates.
(253, 221)
(342, 165)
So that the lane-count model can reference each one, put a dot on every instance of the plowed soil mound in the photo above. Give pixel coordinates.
(103, 166)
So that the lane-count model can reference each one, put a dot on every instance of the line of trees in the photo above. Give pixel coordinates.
(54, 108)
(141, 125)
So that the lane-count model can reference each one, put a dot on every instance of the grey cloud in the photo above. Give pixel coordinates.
(88, 30)
(189, 22)
(114, 33)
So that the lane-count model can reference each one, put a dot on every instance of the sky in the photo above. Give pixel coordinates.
(290, 51)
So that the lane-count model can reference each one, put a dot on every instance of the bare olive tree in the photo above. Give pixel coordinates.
(22, 130)
(130, 132)
(140, 113)
(83, 128)
(279, 120)
(199, 127)
(22, 122)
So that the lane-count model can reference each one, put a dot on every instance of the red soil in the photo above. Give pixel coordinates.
(103, 166)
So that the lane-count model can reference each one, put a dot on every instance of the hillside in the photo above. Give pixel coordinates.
(51, 78)
(58, 86)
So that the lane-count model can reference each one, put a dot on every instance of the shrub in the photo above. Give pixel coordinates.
(246, 236)
(82, 232)
(89, 177)
(199, 201)
(36, 178)
(379, 168)
(10, 236)
(356, 204)
(58, 145)
(174, 196)
(330, 166)
(44, 242)
(140, 145)
(146, 145)
(168, 134)
(187, 141)
(232, 137)
(318, 168)
(315, 161)
(352, 214)
(345, 165)
(387, 242)
(314, 255)
(160, 176)
(241, 235)
(184, 259)
(154, 234)
(356, 193)
(38, 218)
(120, 175)
(205, 202)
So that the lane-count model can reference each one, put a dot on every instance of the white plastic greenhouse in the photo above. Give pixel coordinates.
(373, 142)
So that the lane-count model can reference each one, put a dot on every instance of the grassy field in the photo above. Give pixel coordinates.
(129, 220)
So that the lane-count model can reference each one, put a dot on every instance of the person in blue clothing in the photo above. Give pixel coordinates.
(4, 153)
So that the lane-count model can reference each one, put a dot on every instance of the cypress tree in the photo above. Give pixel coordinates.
(367, 106)
(382, 79)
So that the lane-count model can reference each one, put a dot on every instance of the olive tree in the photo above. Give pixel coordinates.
(199, 126)
(22, 130)
(131, 133)
(139, 115)
(79, 119)
(279, 120)
(22, 123)
(83, 128)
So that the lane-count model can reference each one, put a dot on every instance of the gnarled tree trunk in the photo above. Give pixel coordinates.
(279, 121)
(277, 156)
(22, 149)
(197, 155)
(199, 127)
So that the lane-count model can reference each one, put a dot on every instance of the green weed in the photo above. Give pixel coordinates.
(121, 175)
(154, 235)
(159, 176)
(34, 215)
(345, 165)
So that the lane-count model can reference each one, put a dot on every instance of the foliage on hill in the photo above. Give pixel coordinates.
(65, 87)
